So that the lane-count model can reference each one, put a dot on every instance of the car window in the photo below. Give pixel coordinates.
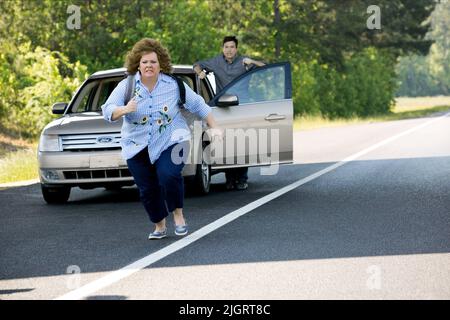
(204, 92)
(188, 80)
(267, 84)
(212, 81)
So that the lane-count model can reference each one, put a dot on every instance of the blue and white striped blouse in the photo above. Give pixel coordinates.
(158, 122)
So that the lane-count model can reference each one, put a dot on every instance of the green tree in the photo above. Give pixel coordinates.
(36, 79)
(420, 75)
(439, 57)
(174, 27)
(340, 67)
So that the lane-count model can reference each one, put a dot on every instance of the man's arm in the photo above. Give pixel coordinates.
(199, 71)
(249, 61)
(208, 65)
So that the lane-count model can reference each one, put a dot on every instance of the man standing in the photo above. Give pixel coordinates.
(227, 67)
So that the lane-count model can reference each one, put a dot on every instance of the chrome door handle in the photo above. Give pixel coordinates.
(274, 116)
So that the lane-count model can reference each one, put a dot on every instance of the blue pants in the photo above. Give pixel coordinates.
(160, 185)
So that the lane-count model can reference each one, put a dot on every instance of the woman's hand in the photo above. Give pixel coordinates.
(131, 106)
(216, 133)
(121, 111)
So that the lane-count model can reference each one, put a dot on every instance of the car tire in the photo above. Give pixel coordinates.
(55, 195)
(202, 179)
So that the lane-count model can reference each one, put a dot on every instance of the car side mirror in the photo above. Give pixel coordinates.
(59, 107)
(228, 100)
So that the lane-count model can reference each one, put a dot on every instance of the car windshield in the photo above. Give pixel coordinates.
(94, 93)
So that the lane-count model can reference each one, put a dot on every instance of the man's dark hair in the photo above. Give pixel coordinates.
(230, 38)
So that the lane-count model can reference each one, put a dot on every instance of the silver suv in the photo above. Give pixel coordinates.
(81, 149)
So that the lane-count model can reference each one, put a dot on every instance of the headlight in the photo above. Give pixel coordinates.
(49, 142)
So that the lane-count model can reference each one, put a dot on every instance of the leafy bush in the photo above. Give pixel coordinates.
(304, 83)
(415, 78)
(429, 75)
(370, 83)
(363, 88)
(33, 81)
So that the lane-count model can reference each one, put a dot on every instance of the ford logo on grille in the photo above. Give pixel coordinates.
(105, 139)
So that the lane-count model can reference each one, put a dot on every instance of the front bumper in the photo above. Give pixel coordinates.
(83, 168)
(77, 168)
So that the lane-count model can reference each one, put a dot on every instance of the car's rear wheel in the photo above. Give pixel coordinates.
(55, 194)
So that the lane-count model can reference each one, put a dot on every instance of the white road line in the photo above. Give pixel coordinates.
(130, 269)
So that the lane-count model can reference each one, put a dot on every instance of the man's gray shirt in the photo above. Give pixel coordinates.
(224, 72)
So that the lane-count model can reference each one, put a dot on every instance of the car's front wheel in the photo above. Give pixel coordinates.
(55, 194)
(202, 178)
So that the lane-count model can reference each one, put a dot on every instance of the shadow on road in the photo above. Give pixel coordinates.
(365, 208)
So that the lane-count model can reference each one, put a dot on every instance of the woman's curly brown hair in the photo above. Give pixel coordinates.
(145, 46)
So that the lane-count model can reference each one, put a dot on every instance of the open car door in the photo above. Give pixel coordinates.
(256, 112)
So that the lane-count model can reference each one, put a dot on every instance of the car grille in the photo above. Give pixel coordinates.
(89, 142)
(96, 174)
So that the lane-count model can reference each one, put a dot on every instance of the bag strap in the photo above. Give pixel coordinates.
(181, 88)
(130, 88)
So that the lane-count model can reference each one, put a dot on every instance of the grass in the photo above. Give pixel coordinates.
(400, 112)
(19, 165)
(18, 160)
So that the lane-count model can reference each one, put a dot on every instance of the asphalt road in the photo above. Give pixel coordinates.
(376, 226)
